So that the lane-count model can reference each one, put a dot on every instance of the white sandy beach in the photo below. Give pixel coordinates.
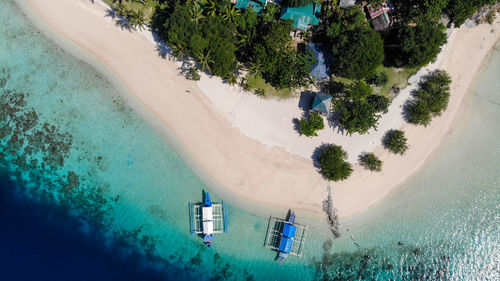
(247, 144)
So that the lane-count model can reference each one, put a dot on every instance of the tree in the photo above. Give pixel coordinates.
(196, 12)
(270, 12)
(222, 45)
(298, 3)
(205, 60)
(231, 14)
(409, 11)
(380, 103)
(309, 127)
(246, 34)
(416, 45)
(431, 99)
(357, 116)
(193, 74)
(380, 79)
(359, 90)
(179, 52)
(177, 28)
(281, 64)
(395, 141)
(490, 16)
(198, 44)
(137, 19)
(333, 164)
(357, 49)
(211, 8)
(232, 79)
(260, 92)
(360, 109)
(370, 162)
(460, 10)
(255, 68)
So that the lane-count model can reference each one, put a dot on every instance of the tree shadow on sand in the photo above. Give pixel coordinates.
(119, 20)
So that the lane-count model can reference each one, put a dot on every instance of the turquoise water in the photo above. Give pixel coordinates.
(69, 139)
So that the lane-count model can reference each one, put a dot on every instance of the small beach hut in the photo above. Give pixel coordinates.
(319, 70)
(322, 103)
(379, 16)
(256, 5)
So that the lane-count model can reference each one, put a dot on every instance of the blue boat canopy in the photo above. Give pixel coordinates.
(289, 230)
(286, 245)
(208, 202)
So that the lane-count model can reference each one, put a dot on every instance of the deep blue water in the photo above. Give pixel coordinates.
(40, 242)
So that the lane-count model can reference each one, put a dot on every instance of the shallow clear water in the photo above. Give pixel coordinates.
(128, 189)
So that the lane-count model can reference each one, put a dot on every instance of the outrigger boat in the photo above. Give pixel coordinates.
(287, 237)
(208, 218)
(208, 221)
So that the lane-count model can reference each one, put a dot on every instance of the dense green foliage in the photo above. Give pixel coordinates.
(280, 63)
(209, 39)
(192, 74)
(490, 17)
(357, 49)
(460, 10)
(371, 162)
(380, 103)
(332, 160)
(310, 126)
(380, 79)
(417, 36)
(395, 141)
(416, 45)
(297, 3)
(360, 109)
(431, 99)
(357, 116)
(219, 36)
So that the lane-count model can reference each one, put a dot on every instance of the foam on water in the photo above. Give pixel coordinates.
(121, 179)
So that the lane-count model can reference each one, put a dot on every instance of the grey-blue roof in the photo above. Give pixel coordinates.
(318, 70)
(322, 102)
(286, 245)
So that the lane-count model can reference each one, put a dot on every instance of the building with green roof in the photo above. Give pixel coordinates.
(322, 103)
(302, 17)
(256, 5)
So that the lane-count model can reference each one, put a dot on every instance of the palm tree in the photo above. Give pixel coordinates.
(205, 60)
(255, 68)
(260, 92)
(308, 81)
(211, 8)
(243, 40)
(138, 19)
(120, 10)
(179, 52)
(243, 84)
(196, 12)
(231, 79)
(269, 12)
(231, 14)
